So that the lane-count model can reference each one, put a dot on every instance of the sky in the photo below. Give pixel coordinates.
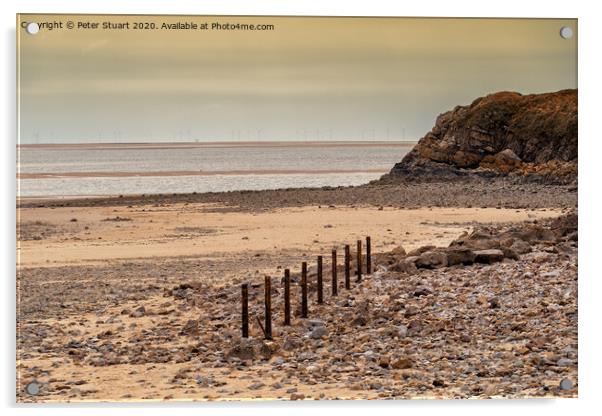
(307, 79)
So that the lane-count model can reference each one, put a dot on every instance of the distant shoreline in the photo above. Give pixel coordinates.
(110, 174)
(215, 144)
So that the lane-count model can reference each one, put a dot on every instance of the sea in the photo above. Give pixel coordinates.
(85, 170)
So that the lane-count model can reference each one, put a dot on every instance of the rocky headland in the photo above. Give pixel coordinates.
(506, 134)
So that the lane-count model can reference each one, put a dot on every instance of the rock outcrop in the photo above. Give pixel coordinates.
(531, 137)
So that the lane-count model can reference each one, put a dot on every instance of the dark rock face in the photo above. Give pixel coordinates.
(506, 133)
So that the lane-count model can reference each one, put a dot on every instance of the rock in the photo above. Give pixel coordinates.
(243, 351)
(417, 252)
(489, 256)
(505, 161)
(564, 362)
(552, 274)
(291, 344)
(319, 332)
(494, 303)
(521, 247)
(533, 136)
(191, 328)
(414, 327)
(138, 312)
(432, 260)
(398, 252)
(297, 396)
(460, 255)
(268, 349)
(384, 361)
(402, 331)
(411, 311)
(422, 291)
(401, 363)
(256, 386)
(407, 265)
(360, 320)
(566, 384)
(438, 383)
(509, 253)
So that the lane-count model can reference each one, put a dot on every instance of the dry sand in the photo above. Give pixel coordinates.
(86, 235)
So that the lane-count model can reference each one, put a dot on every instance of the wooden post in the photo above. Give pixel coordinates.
(347, 267)
(320, 283)
(268, 308)
(334, 273)
(359, 260)
(287, 297)
(368, 256)
(304, 289)
(245, 310)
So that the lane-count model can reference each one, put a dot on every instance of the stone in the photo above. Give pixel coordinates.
(421, 291)
(401, 363)
(319, 332)
(402, 331)
(268, 349)
(407, 265)
(138, 312)
(418, 251)
(564, 362)
(510, 254)
(521, 247)
(256, 386)
(411, 310)
(566, 384)
(360, 320)
(489, 256)
(460, 255)
(432, 260)
(291, 344)
(191, 328)
(243, 351)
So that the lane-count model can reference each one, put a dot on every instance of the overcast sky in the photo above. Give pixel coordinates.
(308, 79)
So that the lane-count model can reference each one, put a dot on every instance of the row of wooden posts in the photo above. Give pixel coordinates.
(267, 327)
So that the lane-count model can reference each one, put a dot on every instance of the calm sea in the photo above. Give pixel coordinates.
(94, 170)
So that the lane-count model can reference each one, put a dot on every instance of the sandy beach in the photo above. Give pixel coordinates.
(105, 274)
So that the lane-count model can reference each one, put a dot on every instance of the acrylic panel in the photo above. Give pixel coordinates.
(295, 208)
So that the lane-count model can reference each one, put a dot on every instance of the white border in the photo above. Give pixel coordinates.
(589, 155)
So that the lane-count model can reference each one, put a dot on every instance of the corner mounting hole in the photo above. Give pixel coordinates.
(566, 32)
(32, 28)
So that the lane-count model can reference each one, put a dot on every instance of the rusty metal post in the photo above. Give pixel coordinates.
(347, 267)
(359, 260)
(368, 256)
(320, 283)
(304, 289)
(334, 273)
(268, 308)
(287, 297)
(245, 310)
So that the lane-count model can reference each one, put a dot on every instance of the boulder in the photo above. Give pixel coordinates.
(489, 256)
(432, 260)
(460, 255)
(407, 265)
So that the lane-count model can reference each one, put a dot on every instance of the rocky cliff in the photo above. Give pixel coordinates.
(530, 137)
